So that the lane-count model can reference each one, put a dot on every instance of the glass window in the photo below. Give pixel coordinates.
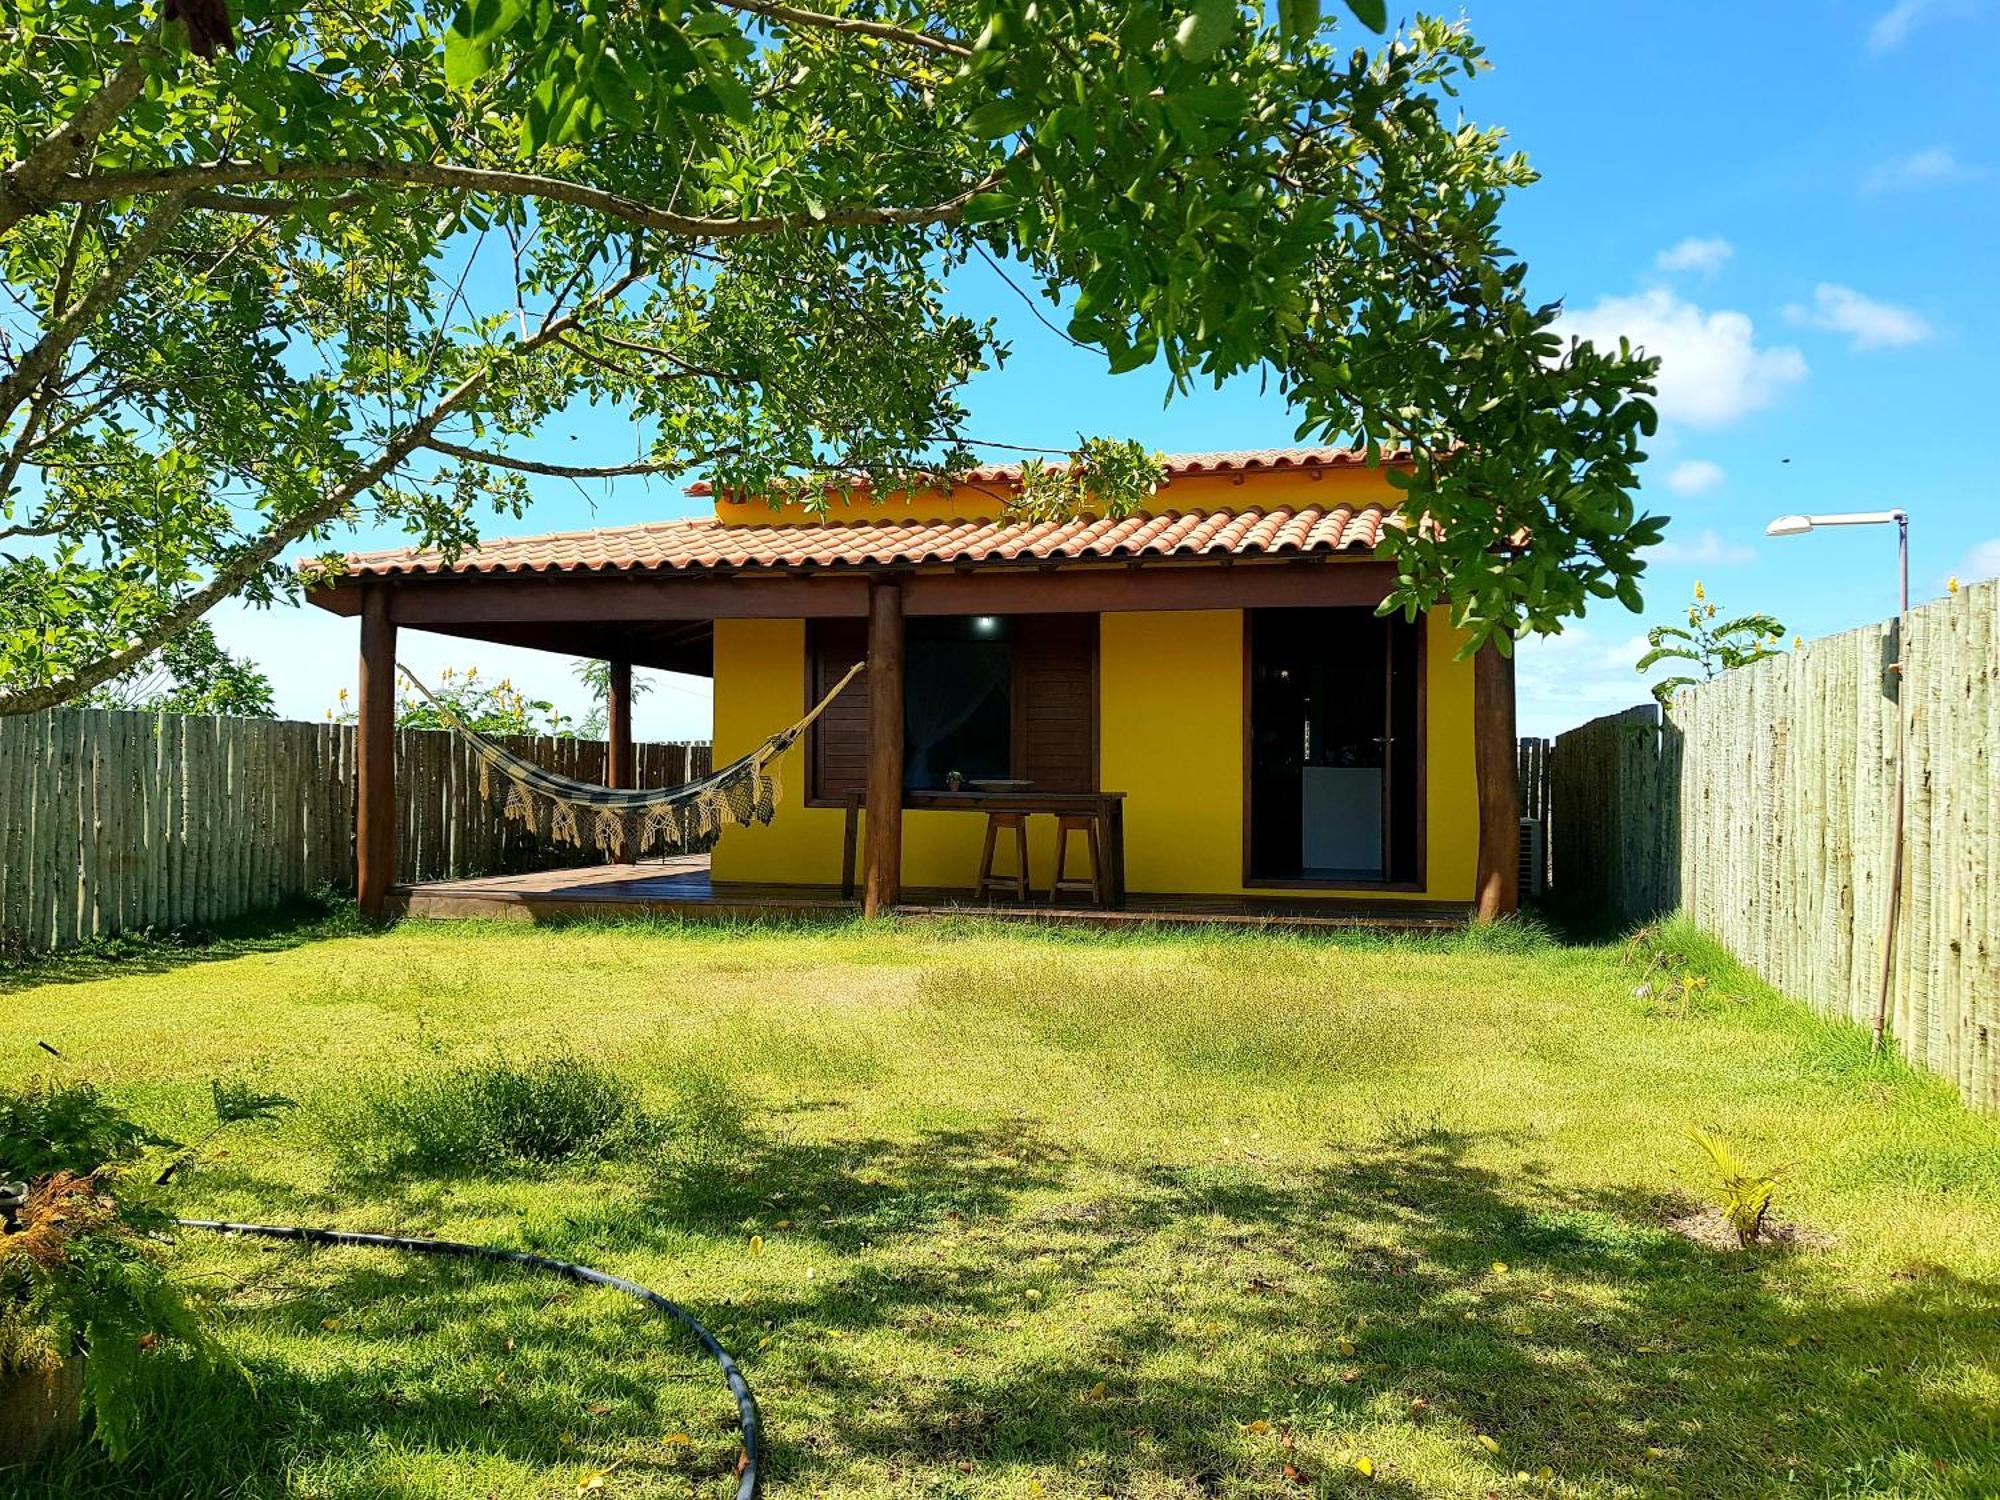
(958, 710)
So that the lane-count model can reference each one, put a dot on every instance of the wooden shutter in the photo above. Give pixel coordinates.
(1055, 701)
(838, 744)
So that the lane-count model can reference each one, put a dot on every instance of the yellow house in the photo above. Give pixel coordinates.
(1202, 694)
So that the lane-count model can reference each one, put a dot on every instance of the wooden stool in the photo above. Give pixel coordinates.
(1017, 883)
(1092, 886)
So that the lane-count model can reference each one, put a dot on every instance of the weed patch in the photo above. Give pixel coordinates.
(497, 1113)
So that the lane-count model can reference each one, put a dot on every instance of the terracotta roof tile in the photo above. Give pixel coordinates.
(704, 545)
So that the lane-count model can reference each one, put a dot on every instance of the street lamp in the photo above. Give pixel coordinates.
(1799, 526)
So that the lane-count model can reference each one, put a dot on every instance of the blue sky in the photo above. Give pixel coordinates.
(1793, 205)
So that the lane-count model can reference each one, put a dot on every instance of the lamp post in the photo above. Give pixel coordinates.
(1900, 519)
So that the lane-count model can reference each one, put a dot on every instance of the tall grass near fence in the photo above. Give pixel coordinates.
(1760, 804)
(116, 822)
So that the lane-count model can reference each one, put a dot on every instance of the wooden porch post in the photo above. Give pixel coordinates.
(1494, 760)
(882, 880)
(375, 756)
(618, 724)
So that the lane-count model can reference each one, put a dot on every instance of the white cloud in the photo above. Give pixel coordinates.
(1711, 368)
(1693, 476)
(1696, 254)
(1870, 324)
(1893, 27)
(1707, 550)
(1565, 680)
(1928, 168)
(1982, 562)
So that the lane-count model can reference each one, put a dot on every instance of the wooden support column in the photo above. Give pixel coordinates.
(618, 724)
(1494, 759)
(882, 879)
(375, 757)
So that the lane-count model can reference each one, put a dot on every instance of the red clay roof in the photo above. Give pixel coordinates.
(707, 545)
(1190, 465)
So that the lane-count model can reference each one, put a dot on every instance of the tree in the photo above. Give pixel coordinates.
(596, 678)
(1711, 644)
(485, 704)
(345, 267)
(191, 674)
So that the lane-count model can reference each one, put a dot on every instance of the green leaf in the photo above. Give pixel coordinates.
(998, 118)
(988, 208)
(466, 61)
(1374, 14)
(1204, 29)
(1299, 18)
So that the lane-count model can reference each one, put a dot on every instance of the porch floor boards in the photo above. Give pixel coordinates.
(682, 887)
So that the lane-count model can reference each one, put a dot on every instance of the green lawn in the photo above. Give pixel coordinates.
(1143, 1216)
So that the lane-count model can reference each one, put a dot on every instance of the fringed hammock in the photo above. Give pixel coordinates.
(626, 823)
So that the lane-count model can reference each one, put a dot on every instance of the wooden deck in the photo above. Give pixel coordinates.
(681, 887)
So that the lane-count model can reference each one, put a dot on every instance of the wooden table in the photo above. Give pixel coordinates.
(1108, 808)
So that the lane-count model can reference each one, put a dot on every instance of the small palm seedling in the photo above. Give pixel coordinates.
(1744, 1196)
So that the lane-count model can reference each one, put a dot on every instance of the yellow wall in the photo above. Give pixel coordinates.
(967, 503)
(1171, 710)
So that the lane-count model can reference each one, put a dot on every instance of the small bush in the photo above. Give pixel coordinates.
(49, 1125)
(496, 1114)
(1743, 1195)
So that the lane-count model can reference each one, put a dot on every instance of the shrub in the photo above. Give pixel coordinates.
(497, 1113)
(48, 1125)
(81, 1266)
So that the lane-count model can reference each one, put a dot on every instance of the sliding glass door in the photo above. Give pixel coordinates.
(1335, 748)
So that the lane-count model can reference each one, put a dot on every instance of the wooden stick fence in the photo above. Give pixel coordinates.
(118, 822)
(1760, 805)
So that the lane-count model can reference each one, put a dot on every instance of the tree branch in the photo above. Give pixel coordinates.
(653, 351)
(261, 553)
(41, 361)
(791, 15)
(24, 187)
(271, 208)
(97, 187)
(553, 471)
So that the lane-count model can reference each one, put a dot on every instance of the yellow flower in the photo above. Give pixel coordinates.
(1698, 591)
(1365, 1466)
(1798, 641)
(1951, 585)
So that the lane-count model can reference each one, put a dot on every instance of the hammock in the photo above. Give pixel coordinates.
(626, 822)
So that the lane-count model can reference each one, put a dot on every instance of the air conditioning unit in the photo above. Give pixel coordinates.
(1534, 858)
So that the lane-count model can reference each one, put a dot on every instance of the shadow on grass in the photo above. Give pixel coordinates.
(309, 919)
(988, 1302)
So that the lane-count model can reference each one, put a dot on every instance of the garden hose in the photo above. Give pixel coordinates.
(748, 1475)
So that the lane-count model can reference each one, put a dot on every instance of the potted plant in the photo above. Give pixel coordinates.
(84, 1291)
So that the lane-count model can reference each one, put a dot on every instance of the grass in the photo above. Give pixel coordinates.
(1149, 1216)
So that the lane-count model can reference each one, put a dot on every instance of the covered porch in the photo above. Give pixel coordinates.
(681, 887)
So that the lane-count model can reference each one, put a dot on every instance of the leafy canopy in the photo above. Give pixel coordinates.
(346, 267)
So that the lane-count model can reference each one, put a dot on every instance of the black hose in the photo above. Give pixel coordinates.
(748, 1476)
